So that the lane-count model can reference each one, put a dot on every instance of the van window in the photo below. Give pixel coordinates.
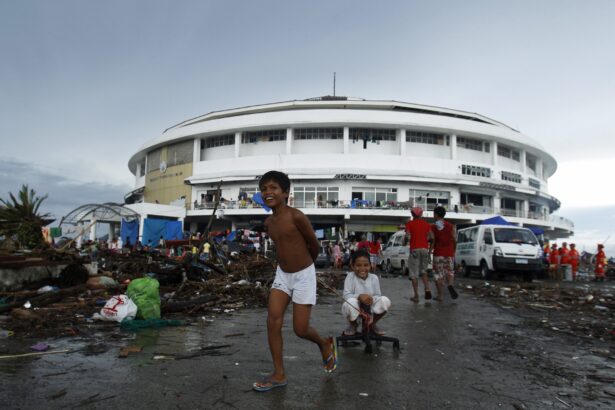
(399, 240)
(515, 236)
(472, 234)
(488, 237)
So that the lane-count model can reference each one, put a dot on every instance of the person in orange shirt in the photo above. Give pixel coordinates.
(600, 263)
(553, 262)
(564, 260)
(573, 256)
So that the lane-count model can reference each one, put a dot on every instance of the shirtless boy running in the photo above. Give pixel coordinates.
(296, 249)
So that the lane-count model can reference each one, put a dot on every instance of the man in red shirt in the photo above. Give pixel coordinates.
(443, 248)
(553, 262)
(420, 234)
(573, 255)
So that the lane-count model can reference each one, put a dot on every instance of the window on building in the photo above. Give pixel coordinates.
(476, 171)
(153, 160)
(534, 183)
(180, 153)
(251, 137)
(475, 199)
(373, 134)
(313, 196)
(142, 169)
(319, 133)
(427, 138)
(508, 152)
(218, 141)
(473, 144)
(429, 199)
(511, 176)
(374, 195)
(530, 162)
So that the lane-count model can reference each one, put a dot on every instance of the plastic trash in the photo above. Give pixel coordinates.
(46, 289)
(144, 292)
(119, 308)
(40, 347)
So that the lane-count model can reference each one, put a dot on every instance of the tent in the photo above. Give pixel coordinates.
(496, 220)
(535, 230)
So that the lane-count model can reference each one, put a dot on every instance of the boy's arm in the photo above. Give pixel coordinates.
(376, 284)
(305, 229)
(349, 291)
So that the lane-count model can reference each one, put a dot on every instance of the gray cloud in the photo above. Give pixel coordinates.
(64, 194)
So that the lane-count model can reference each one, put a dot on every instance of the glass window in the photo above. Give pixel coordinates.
(180, 153)
(507, 235)
(376, 194)
(310, 196)
(429, 199)
(508, 152)
(530, 162)
(218, 141)
(153, 160)
(427, 138)
(476, 171)
(372, 134)
(473, 144)
(263, 136)
(319, 133)
(511, 176)
(534, 183)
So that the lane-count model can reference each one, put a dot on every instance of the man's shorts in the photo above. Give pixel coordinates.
(300, 286)
(373, 258)
(418, 262)
(443, 267)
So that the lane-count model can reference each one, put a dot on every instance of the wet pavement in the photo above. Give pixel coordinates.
(463, 354)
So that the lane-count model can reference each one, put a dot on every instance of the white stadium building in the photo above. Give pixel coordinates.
(355, 165)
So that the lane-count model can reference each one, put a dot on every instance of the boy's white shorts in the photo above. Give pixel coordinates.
(300, 286)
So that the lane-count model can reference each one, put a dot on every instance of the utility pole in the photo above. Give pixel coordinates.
(334, 83)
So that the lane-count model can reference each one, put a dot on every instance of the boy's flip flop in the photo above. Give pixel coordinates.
(332, 356)
(267, 383)
(453, 292)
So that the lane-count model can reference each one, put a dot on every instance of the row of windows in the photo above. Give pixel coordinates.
(319, 133)
(427, 138)
(476, 171)
(373, 134)
(534, 183)
(473, 144)
(511, 176)
(263, 136)
(218, 141)
(508, 152)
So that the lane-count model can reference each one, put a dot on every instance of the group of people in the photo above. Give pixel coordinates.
(563, 258)
(295, 280)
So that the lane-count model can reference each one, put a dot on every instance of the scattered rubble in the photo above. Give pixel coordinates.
(64, 304)
(582, 310)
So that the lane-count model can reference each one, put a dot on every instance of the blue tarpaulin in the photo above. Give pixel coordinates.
(129, 230)
(496, 220)
(174, 230)
(537, 231)
(154, 228)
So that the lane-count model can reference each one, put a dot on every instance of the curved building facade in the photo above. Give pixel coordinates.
(354, 164)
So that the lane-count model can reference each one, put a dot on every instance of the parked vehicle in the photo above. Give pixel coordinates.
(323, 260)
(395, 254)
(499, 248)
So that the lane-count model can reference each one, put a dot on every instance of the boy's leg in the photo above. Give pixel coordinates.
(415, 288)
(278, 301)
(302, 328)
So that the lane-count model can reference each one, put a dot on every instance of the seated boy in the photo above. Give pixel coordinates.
(362, 290)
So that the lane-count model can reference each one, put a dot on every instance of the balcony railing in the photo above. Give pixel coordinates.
(393, 205)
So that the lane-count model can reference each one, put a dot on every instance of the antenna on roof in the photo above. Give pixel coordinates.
(334, 83)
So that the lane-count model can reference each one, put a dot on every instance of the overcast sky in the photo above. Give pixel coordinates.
(84, 84)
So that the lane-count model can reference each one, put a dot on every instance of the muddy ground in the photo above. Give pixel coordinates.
(477, 352)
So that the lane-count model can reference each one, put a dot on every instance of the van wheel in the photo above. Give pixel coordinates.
(404, 270)
(484, 271)
(387, 267)
(465, 270)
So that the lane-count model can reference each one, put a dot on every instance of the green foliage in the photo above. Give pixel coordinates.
(19, 216)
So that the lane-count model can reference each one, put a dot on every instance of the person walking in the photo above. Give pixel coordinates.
(420, 235)
(443, 247)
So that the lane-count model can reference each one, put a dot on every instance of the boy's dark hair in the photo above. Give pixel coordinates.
(278, 177)
(357, 254)
(439, 211)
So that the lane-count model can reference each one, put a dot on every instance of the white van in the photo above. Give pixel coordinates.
(499, 248)
(395, 254)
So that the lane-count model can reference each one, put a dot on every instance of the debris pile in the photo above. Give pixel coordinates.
(585, 311)
(66, 303)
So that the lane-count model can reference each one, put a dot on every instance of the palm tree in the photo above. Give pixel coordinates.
(19, 216)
